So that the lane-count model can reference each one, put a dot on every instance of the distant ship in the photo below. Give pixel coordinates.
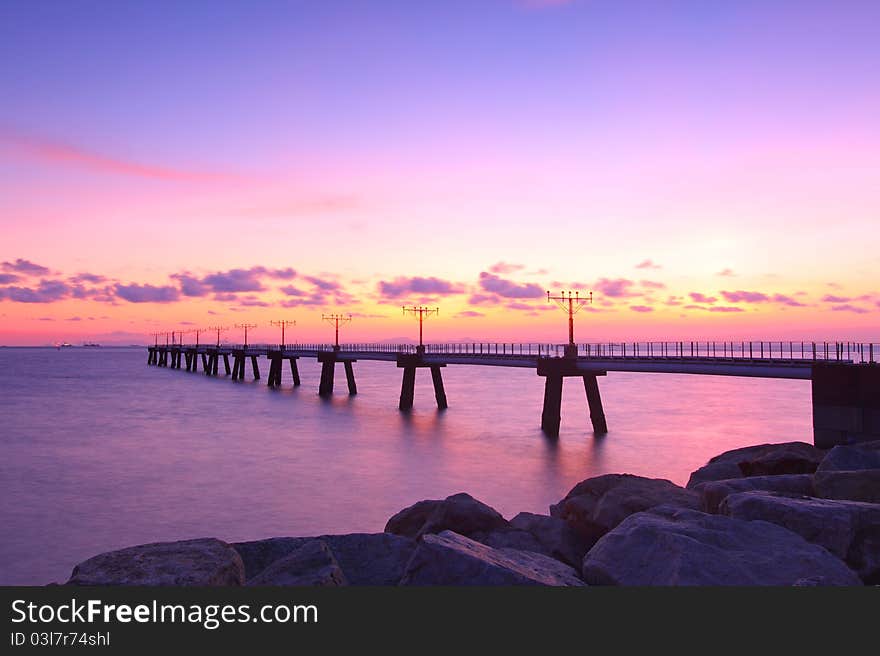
(91, 345)
(65, 345)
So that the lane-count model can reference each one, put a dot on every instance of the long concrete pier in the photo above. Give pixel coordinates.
(845, 376)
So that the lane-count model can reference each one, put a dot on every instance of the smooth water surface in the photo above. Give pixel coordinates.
(99, 451)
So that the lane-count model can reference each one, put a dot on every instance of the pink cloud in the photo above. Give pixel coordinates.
(641, 308)
(52, 151)
(697, 297)
(745, 297)
(652, 284)
(509, 289)
(648, 264)
(846, 307)
(617, 288)
(506, 267)
(726, 273)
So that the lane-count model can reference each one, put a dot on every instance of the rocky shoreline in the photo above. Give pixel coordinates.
(773, 514)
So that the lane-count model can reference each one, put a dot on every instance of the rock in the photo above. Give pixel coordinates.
(204, 562)
(409, 521)
(861, 485)
(460, 513)
(713, 493)
(848, 529)
(852, 458)
(597, 505)
(511, 538)
(558, 539)
(365, 558)
(760, 460)
(453, 559)
(257, 555)
(850, 472)
(677, 546)
(371, 558)
(714, 471)
(311, 564)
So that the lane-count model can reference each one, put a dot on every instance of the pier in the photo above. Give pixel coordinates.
(845, 376)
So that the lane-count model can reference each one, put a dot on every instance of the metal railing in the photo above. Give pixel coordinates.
(791, 351)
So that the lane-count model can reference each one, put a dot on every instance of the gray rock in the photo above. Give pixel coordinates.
(714, 471)
(676, 546)
(855, 457)
(460, 513)
(597, 505)
(713, 493)
(760, 460)
(257, 555)
(453, 559)
(312, 564)
(557, 538)
(511, 538)
(205, 561)
(365, 558)
(848, 529)
(863, 485)
(371, 558)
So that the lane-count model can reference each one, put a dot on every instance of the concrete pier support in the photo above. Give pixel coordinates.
(846, 404)
(409, 363)
(205, 362)
(594, 400)
(238, 363)
(551, 416)
(328, 369)
(407, 388)
(439, 391)
(554, 370)
(255, 367)
(226, 362)
(294, 372)
(215, 364)
(349, 377)
(194, 361)
(275, 363)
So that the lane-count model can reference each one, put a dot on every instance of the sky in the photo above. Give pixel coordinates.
(709, 170)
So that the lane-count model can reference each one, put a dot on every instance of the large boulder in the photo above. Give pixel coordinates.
(460, 513)
(452, 559)
(365, 558)
(371, 558)
(855, 457)
(595, 506)
(556, 537)
(848, 529)
(677, 546)
(511, 538)
(760, 460)
(850, 472)
(257, 555)
(201, 562)
(713, 493)
(312, 564)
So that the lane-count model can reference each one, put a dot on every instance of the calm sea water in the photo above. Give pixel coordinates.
(99, 451)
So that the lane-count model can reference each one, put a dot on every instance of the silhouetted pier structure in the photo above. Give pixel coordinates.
(845, 375)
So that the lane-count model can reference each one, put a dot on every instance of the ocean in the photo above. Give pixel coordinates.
(99, 451)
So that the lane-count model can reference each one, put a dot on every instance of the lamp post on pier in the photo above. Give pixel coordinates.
(571, 303)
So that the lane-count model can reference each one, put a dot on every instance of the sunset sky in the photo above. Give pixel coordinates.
(709, 170)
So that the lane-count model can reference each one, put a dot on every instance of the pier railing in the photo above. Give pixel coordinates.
(794, 351)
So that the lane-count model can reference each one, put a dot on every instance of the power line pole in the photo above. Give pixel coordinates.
(335, 319)
(422, 313)
(245, 326)
(218, 329)
(571, 303)
(283, 323)
(197, 332)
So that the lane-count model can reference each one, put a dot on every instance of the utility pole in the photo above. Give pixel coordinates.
(336, 319)
(197, 332)
(570, 303)
(422, 313)
(245, 326)
(219, 329)
(283, 323)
